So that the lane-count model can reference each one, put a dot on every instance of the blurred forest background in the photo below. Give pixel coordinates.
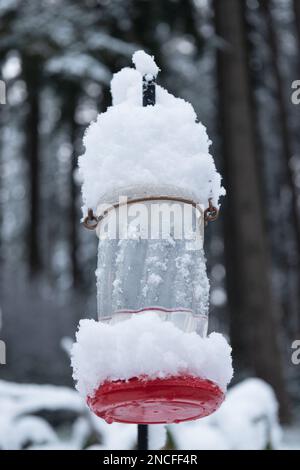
(235, 61)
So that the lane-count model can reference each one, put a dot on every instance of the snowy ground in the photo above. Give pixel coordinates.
(290, 438)
(48, 417)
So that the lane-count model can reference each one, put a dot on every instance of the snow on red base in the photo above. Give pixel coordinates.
(145, 345)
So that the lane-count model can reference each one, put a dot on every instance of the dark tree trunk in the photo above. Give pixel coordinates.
(254, 329)
(1, 202)
(296, 4)
(70, 97)
(283, 117)
(74, 216)
(31, 71)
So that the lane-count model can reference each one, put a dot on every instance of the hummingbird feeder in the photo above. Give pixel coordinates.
(149, 188)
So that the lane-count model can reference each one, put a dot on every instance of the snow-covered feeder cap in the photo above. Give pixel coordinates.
(137, 150)
(146, 370)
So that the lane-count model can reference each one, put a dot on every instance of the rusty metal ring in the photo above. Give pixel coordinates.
(90, 221)
(211, 213)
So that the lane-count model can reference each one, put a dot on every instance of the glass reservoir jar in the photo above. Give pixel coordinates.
(151, 259)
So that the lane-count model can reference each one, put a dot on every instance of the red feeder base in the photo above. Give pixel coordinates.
(170, 400)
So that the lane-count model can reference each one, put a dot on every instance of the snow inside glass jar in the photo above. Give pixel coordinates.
(149, 187)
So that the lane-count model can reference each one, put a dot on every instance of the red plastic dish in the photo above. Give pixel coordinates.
(145, 401)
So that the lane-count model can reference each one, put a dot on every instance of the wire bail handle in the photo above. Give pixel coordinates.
(91, 221)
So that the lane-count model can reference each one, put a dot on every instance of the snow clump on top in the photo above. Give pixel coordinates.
(150, 150)
(145, 63)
